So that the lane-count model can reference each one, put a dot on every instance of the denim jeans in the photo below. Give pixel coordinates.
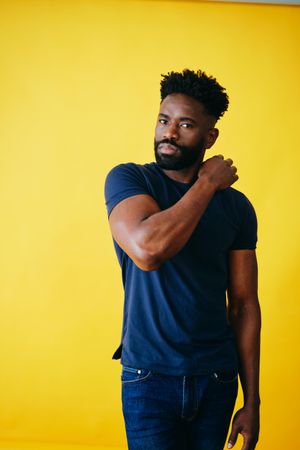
(166, 412)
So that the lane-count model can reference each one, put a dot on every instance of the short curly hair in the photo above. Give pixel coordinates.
(198, 85)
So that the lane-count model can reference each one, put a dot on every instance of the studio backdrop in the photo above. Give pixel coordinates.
(79, 89)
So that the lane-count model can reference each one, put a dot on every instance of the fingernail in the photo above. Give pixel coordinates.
(229, 445)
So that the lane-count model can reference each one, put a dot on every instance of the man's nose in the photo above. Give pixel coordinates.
(171, 132)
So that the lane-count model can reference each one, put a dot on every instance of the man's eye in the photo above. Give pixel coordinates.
(162, 121)
(186, 125)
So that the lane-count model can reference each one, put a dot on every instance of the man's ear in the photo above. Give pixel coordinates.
(211, 137)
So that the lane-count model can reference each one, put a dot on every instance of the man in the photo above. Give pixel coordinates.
(184, 237)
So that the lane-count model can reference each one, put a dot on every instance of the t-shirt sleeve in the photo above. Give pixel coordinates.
(246, 237)
(123, 181)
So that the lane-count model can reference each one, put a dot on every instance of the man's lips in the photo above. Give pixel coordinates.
(168, 149)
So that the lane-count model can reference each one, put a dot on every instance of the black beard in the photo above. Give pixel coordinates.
(186, 157)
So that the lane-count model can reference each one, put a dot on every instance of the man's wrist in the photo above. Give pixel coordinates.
(252, 403)
(206, 182)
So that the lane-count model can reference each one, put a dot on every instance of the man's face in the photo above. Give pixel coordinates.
(181, 132)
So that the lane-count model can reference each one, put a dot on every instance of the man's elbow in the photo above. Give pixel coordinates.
(148, 256)
(147, 261)
(240, 310)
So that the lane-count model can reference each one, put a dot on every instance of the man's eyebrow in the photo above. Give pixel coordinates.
(188, 118)
(181, 118)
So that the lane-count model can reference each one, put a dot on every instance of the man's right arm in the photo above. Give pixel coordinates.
(151, 236)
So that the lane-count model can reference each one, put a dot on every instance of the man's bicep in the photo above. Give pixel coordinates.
(242, 276)
(126, 218)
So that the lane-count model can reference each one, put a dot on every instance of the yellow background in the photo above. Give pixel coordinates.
(79, 93)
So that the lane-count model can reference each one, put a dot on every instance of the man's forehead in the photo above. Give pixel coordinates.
(181, 104)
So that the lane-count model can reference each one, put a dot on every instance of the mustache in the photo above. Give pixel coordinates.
(167, 141)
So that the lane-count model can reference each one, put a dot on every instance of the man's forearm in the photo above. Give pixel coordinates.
(165, 233)
(246, 323)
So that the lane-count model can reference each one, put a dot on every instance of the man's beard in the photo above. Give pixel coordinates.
(185, 157)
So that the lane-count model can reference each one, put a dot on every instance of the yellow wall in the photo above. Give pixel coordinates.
(79, 89)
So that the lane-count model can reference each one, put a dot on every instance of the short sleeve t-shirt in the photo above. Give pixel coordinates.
(175, 318)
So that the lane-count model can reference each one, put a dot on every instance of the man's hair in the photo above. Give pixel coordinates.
(199, 86)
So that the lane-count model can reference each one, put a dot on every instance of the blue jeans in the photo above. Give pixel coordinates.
(166, 412)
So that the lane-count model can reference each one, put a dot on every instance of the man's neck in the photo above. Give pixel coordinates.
(187, 175)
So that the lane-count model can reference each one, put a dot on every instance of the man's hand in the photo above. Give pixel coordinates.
(219, 171)
(246, 422)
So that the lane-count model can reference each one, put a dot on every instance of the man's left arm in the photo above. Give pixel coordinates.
(245, 318)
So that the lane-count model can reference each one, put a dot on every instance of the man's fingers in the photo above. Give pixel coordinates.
(234, 169)
(233, 437)
(228, 161)
(220, 156)
(248, 426)
(245, 444)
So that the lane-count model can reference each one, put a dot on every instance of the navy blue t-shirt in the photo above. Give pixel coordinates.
(175, 318)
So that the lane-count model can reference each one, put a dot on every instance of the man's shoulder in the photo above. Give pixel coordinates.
(133, 167)
(131, 172)
(126, 180)
(236, 195)
(236, 201)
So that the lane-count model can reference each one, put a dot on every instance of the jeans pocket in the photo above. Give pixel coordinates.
(225, 377)
(132, 375)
